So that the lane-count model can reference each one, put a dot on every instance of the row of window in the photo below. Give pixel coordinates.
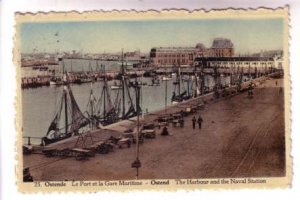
(173, 61)
(172, 55)
(241, 63)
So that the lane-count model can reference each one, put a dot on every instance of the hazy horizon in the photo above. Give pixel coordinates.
(247, 35)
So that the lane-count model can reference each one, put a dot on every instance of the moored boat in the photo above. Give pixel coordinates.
(116, 87)
(56, 81)
(68, 119)
(166, 78)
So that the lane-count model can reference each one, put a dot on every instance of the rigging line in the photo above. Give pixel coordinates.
(58, 108)
(128, 94)
(34, 167)
(55, 101)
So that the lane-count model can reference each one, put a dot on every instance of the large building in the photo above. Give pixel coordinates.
(232, 62)
(221, 47)
(185, 56)
(171, 56)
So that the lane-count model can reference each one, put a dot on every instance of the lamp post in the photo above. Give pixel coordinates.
(137, 163)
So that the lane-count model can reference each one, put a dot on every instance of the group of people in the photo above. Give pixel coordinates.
(165, 130)
(199, 121)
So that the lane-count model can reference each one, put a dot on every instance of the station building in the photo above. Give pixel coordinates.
(172, 56)
(221, 47)
(232, 62)
(185, 56)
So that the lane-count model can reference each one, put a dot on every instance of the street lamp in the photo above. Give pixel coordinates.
(137, 163)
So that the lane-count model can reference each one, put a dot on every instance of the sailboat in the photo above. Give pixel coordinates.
(68, 120)
(155, 81)
(196, 86)
(115, 86)
(178, 94)
(109, 111)
(105, 110)
(55, 80)
(85, 77)
(166, 77)
(129, 110)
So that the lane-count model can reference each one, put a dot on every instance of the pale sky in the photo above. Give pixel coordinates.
(111, 36)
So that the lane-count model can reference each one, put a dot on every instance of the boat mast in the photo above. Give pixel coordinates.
(196, 81)
(141, 97)
(179, 79)
(188, 86)
(123, 85)
(249, 72)
(92, 104)
(104, 93)
(138, 127)
(166, 94)
(202, 79)
(65, 80)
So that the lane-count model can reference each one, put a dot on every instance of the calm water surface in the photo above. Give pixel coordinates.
(41, 104)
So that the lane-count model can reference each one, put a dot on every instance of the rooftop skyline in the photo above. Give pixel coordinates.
(248, 36)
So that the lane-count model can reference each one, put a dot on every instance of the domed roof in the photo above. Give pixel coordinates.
(222, 43)
(200, 46)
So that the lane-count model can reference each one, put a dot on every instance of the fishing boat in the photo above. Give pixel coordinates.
(116, 86)
(68, 119)
(56, 81)
(86, 79)
(104, 112)
(198, 83)
(129, 110)
(135, 83)
(166, 78)
(108, 110)
(180, 95)
(178, 98)
(155, 81)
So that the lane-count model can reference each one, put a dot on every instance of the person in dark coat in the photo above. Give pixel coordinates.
(200, 120)
(165, 131)
(194, 122)
(181, 122)
(181, 113)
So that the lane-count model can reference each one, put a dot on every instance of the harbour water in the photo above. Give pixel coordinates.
(40, 104)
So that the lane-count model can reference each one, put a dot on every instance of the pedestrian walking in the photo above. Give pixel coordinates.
(181, 113)
(165, 131)
(194, 122)
(181, 122)
(200, 120)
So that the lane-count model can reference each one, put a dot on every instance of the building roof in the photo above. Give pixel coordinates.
(200, 46)
(172, 49)
(230, 59)
(220, 43)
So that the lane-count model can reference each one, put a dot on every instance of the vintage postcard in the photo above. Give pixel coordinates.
(163, 100)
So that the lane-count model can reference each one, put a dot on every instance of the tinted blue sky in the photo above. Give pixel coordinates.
(112, 36)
